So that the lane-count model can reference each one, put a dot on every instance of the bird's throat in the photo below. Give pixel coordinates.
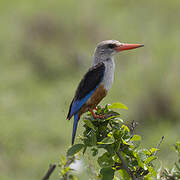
(109, 73)
(109, 69)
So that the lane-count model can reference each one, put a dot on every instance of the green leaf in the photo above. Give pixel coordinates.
(152, 171)
(124, 175)
(142, 155)
(106, 109)
(84, 149)
(124, 142)
(152, 150)
(89, 124)
(110, 135)
(110, 149)
(65, 170)
(118, 120)
(74, 149)
(63, 160)
(125, 128)
(112, 117)
(107, 173)
(93, 139)
(149, 159)
(136, 138)
(94, 151)
(177, 147)
(107, 140)
(117, 134)
(72, 177)
(147, 152)
(147, 177)
(140, 163)
(117, 106)
(105, 160)
(116, 158)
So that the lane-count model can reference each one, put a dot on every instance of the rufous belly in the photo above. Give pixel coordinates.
(94, 100)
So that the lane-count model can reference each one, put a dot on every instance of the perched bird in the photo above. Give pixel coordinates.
(97, 81)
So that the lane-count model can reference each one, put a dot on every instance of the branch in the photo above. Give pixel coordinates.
(49, 172)
(132, 127)
(125, 167)
(68, 163)
(157, 147)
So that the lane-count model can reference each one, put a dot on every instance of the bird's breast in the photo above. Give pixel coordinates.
(108, 75)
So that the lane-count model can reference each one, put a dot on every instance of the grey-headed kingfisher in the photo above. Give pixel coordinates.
(97, 81)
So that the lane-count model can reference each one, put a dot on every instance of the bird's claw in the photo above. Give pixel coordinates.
(96, 108)
(96, 116)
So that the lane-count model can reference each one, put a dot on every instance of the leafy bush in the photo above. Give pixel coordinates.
(114, 146)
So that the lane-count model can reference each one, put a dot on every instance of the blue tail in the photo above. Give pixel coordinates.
(76, 119)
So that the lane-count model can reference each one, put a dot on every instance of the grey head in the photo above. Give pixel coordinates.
(106, 50)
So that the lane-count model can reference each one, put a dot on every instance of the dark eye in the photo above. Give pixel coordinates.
(111, 46)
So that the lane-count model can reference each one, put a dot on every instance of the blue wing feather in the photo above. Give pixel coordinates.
(74, 110)
(76, 119)
(76, 105)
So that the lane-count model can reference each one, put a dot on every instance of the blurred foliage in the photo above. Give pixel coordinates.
(47, 46)
(174, 172)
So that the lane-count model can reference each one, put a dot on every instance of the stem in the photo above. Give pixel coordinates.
(132, 127)
(157, 147)
(125, 167)
(68, 163)
(49, 172)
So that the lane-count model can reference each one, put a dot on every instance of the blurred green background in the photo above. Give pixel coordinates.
(47, 46)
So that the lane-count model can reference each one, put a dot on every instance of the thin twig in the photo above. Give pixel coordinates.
(49, 172)
(157, 147)
(68, 163)
(132, 127)
(125, 167)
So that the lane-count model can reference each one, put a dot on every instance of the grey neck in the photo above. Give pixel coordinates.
(109, 69)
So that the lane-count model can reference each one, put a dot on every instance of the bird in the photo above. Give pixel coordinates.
(98, 80)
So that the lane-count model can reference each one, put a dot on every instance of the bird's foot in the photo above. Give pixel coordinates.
(100, 116)
(96, 108)
(95, 116)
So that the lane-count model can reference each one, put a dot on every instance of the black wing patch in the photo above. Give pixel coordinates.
(89, 83)
(90, 80)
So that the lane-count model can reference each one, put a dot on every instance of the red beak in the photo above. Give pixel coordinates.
(123, 47)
